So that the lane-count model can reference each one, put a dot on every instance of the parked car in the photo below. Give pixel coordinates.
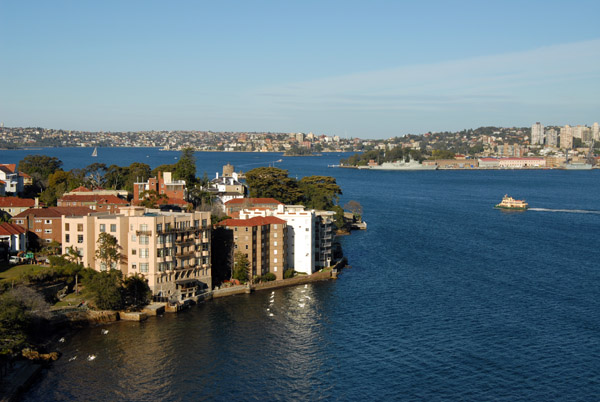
(14, 260)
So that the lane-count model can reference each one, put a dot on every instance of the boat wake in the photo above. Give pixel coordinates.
(570, 211)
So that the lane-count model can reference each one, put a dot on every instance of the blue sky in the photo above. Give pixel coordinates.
(371, 69)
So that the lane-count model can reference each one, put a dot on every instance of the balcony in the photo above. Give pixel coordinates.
(143, 233)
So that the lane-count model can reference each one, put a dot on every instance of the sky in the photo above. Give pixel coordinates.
(368, 69)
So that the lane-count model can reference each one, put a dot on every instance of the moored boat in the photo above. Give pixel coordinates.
(510, 203)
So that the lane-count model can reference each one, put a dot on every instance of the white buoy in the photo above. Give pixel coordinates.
(271, 315)
(91, 357)
(62, 340)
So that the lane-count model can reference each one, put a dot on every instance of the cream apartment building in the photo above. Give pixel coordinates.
(170, 249)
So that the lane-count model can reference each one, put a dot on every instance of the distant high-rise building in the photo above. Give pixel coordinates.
(551, 137)
(596, 132)
(586, 135)
(578, 131)
(566, 137)
(537, 134)
(300, 137)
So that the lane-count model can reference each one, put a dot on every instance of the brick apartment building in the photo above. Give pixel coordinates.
(44, 224)
(263, 240)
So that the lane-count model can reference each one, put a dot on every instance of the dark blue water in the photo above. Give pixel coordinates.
(447, 299)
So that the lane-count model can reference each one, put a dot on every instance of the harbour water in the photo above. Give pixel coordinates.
(447, 299)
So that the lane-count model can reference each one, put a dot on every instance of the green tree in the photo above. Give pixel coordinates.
(136, 292)
(137, 172)
(241, 267)
(39, 167)
(105, 288)
(151, 199)
(272, 182)
(185, 168)
(108, 250)
(319, 192)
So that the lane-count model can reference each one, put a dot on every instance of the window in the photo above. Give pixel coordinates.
(159, 227)
(246, 229)
(133, 238)
(275, 226)
(66, 225)
(102, 227)
(275, 243)
(133, 266)
(38, 221)
(113, 265)
(144, 267)
(79, 238)
(67, 238)
(80, 227)
(160, 240)
(204, 223)
(143, 227)
(102, 266)
(143, 253)
(113, 228)
(144, 239)
(246, 247)
(133, 251)
(47, 230)
(275, 268)
(274, 259)
(48, 240)
(275, 252)
(307, 229)
(275, 235)
(48, 222)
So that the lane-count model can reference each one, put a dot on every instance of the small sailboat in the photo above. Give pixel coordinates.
(95, 153)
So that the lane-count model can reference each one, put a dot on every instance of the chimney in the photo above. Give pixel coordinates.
(37, 202)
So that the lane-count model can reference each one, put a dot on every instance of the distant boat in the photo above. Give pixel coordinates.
(95, 153)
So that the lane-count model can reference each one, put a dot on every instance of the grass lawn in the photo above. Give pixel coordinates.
(15, 272)
(71, 300)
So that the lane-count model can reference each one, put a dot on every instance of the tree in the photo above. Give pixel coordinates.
(95, 175)
(272, 182)
(72, 254)
(105, 288)
(151, 199)
(136, 172)
(39, 167)
(319, 192)
(241, 267)
(108, 250)
(355, 208)
(185, 168)
(136, 291)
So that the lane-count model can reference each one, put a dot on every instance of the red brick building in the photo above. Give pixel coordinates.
(15, 205)
(45, 224)
(263, 240)
(175, 190)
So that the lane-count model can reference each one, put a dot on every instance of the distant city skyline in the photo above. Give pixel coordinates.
(351, 69)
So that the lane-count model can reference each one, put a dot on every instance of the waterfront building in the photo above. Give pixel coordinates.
(489, 163)
(44, 224)
(174, 190)
(309, 235)
(596, 132)
(264, 242)
(227, 187)
(81, 190)
(566, 137)
(170, 249)
(537, 134)
(15, 205)
(521, 163)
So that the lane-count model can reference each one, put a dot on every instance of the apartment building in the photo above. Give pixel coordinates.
(44, 224)
(170, 249)
(232, 207)
(263, 240)
(175, 190)
(13, 181)
(309, 235)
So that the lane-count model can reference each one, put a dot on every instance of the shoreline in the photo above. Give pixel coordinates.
(23, 373)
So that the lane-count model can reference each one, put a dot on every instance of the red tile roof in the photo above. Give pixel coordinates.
(54, 212)
(97, 198)
(16, 202)
(9, 166)
(253, 201)
(81, 189)
(256, 221)
(7, 229)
